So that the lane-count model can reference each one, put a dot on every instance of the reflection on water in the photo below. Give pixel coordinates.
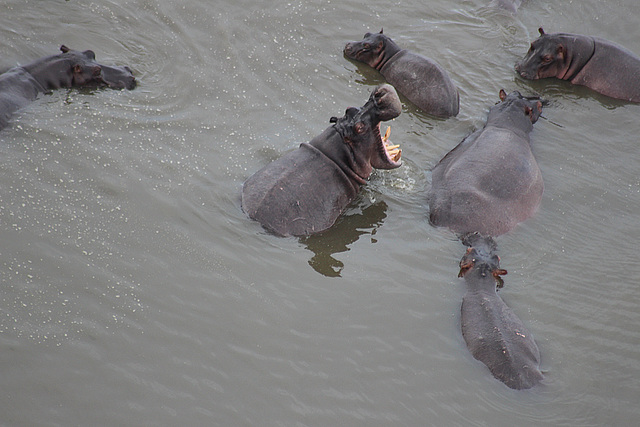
(363, 218)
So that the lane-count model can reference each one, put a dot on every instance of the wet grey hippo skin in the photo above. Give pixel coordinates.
(599, 64)
(490, 181)
(421, 80)
(21, 85)
(493, 333)
(306, 190)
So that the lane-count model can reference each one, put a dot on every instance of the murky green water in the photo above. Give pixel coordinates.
(134, 291)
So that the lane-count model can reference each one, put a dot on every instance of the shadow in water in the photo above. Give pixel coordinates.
(363, 218)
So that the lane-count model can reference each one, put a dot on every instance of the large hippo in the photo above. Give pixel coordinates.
(493, 333)
(490, 181)
(306, 190)
(21, 85)
(599, 64)
(420, 79)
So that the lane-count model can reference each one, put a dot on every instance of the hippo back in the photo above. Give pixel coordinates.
(498, 338)
(17, 89)
(612, 70)
(488, 184)
(423, 82)
(298, 194)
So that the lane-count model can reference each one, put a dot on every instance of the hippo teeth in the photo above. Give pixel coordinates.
(393, 151)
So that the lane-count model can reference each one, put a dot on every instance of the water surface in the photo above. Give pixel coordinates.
(134, 291)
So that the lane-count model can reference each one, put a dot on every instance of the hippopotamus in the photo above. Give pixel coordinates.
(598, 64)
(21, 85)
(306, 190)
(493, 333)
(421, 80)
(490, 181)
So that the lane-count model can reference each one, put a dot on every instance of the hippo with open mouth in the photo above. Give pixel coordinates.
(306, 190)
(21, 85)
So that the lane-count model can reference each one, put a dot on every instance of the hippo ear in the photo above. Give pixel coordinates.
(541, 31)
(64, 49)
(503, 95)
(381, 30)
(333, 120)
(90, 54)
(560, 51)
(539, 106)
(527, 110)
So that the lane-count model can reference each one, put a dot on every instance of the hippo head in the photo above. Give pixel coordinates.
(85, 71)
(545, 58)
(522, 112)
(481, 258)
(370, 50)
(359, 128)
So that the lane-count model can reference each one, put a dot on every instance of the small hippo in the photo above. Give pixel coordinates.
(21, 85)
(490, 181)
(599, 64)
(420, 79)
(306, 190)
(493, 333)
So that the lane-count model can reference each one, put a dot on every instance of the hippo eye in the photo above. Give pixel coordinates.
(367, 46)
(359, 127)
(546, 59)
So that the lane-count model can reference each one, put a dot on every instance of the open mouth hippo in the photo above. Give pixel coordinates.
(306, 190)
(491, 181)
(421, 80)
(493, 333)
(21, 85)
(598, 64)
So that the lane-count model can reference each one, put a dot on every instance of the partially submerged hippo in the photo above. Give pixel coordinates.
(306, 190)
(493, 333)
(599, 64)
(420, 79)
(21, 85)
(490, 181)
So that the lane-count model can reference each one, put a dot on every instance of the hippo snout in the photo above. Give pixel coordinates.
(524, 72)
(348, 49)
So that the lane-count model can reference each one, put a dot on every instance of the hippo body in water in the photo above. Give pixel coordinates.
(306, 190)
(421, 80)
(21, 85)
(493, 333)
(491, 181)
(598, 64)
(484, 187)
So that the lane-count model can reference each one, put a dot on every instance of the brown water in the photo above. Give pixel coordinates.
(135, 292)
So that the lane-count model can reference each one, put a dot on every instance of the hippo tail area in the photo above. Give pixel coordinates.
(298, 194)
(493, 333)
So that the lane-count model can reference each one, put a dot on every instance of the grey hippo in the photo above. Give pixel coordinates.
(21, 85)
(306, 190)
(598, 64)
(483, 188)
(425, 83)
(493, 333)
